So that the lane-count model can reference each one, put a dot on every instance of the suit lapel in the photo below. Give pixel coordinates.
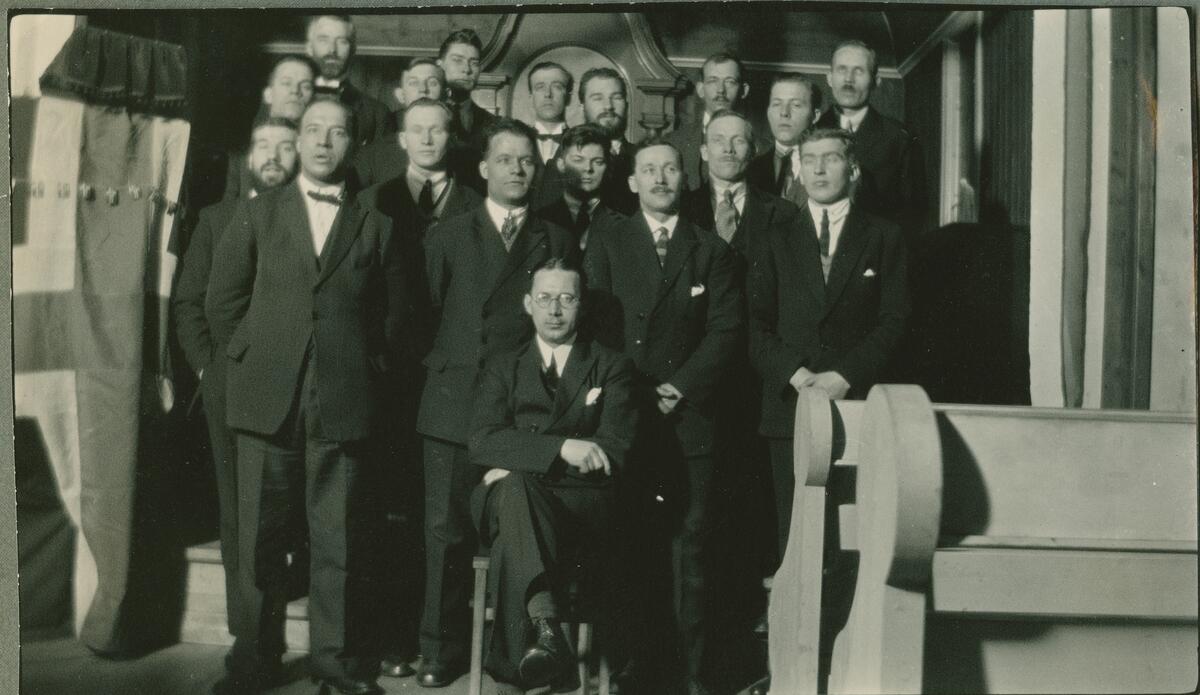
(679, 250)
(292, 216)
(641, 246)
(579, 365)
(530, 238)
(346, 227)
(851, 243)
(529, 379)
(808, 256)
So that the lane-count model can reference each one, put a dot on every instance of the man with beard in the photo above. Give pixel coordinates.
(330, 43)
(893, 170)
(311, 299)
(478, 266)
(582, 162)
(459, 57)
(682, 313)
(605, 104)
(722, 86)
(288, 91)
(271, 162)
(793, 105)
(386, 158)
(550, 87)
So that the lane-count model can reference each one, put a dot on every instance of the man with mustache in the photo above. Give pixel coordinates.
(550, 86)
(312, 297)
(478, 266)
(605, 102)
(459, 57)
(386, 158)
(893, 169)
(270, 163)
(794, 103)
(582, 162)
(330, 43)
(722, 86)
(674, 288)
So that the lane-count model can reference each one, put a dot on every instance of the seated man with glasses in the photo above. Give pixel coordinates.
(552, 423)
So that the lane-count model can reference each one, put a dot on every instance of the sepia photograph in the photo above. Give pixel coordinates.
(679, 348)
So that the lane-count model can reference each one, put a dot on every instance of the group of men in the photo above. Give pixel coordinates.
(579, 339)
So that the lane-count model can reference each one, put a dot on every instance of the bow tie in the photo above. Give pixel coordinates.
(324, 198)
(556, 137)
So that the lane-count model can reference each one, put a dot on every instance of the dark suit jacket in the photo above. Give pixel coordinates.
(270, 297)
(476, 291)
(395, 200)
(466, 147)
(849, 324)
(191, 326)
(679, 322)
(687, 136)
(761, 213)
(614, 190)
(379, 161)
(603, 216)
(518, 427)
(547, 185)
(893, 182)
(371, 116)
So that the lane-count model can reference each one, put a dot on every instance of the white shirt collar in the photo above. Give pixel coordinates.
(837, 211)
(335, 83)
(550, 129)
(615, 146)
(437, 177)
(719, 188)
(334, 189)
(855, 118)
(497, 213)
(655, 224)
(560, 352)
(704, 120)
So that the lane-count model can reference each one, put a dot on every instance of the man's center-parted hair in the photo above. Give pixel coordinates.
(607, 73)
(351, 122)
(814, 92)
(730, 113)
(466, 35)
(344, 18)
(845, 136)
(293, 58)
(583, 135)
(418, 62)
(551, 65)
(564, 264)
(511, 126)
(426, 101)
(724, 57)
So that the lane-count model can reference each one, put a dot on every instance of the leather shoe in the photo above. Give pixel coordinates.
(547, 658)
(349, 686)
(435, 674)
(249, 683)
(394, 666)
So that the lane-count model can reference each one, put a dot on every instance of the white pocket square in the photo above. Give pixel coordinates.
(697, 290)
(870, 273)
(593, 395)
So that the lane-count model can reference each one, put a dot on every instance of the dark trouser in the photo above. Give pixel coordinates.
(450, 543)
(305, 475)
(223, 443)
(533, 528)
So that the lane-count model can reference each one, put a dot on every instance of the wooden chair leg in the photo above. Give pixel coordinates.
(582, 653)
(478, 606)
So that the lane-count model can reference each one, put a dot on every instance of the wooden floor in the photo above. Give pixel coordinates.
(66, 667)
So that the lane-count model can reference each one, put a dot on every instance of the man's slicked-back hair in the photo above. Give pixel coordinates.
(872, 57)
(511, 126)
(424, 60)
(272, 122)
(426, 101)
(724, 57)
(351, 121)
(293, 58)
(465, 35)
(551, 65)
(815, 134)
(657, 141)
(344, 18)
(586, 134)
(607, 73)
(814, 92)
(564, 264)
(730, 113)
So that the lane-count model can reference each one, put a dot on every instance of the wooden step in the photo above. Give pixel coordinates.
(204, 608)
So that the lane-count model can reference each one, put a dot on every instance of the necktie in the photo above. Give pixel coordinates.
(823, 239)
(727, 216)
(465, 117)
(509, 231)
(425, 200)
(847, 124)
(786, 176)
(660, 245)
(550, 377)
(324, 198)
(584, 220)
(556, 137)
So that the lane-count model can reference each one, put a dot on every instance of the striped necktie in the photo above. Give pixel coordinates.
(509, 230)
(727, 216)
(660, 245)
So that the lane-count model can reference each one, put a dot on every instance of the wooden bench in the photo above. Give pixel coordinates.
(1001, 549)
